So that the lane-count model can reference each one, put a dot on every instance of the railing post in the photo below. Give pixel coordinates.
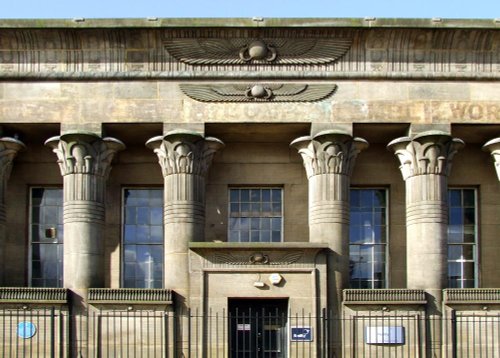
(52, 332)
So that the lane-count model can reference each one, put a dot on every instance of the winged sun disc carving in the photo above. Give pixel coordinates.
(241, 51)
(230, 259)
(262, 92)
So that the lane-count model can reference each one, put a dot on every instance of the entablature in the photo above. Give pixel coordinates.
(267, 49)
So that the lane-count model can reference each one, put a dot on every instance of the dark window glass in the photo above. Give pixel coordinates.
(462, 238)
(368, 238)
(46, 237)
(143, 238)
(255, 215)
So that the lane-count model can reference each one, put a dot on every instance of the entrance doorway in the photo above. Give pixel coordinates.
(258, 328)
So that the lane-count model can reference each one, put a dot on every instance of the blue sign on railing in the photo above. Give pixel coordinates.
(302, 334)
(26, 330)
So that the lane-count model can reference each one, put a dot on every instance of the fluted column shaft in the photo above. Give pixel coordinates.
(185, 158)
(329, 158)
(85, 161)
(425, 165)
(9, 147)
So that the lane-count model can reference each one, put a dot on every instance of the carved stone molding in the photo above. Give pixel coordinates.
(129, 295)
(384, 296)
(257, 258)
(260, 92)
(493, 146)
(98, 53)
(9, 147)
(427, 153)
(239, 51)
(329, 152)
(182, 152)
(33, 295)
(472, 295)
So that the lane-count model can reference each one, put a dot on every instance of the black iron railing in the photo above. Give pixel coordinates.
(152, 332)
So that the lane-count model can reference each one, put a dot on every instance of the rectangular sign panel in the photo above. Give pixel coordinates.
(384, 335)
(303, 334)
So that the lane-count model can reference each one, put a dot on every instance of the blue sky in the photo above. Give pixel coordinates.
(249, 8)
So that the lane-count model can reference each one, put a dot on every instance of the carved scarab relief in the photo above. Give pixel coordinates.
(259, 259)
(259, 91)
(258, 50)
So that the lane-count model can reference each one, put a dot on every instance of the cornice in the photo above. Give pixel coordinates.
(155, 22)
(124, 53)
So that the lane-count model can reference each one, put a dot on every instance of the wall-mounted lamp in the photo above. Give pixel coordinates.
(275, 278)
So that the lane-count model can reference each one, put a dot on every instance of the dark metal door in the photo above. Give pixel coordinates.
(258, 328)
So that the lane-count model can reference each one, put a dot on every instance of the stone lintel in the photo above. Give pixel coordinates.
(195, 128)
(260, 256)
(416, 129)
(231, 246)
(94, 128)
(317, 128)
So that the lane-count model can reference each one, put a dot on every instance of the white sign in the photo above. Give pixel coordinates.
(384, 335)
(243, 327)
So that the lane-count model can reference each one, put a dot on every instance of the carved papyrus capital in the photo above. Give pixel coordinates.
(9, 147)
(184, 152)
(493, 146)
(84, 153)
(329, 152)
(427, 153)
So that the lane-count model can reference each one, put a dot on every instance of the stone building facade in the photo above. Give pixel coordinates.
(339, 178)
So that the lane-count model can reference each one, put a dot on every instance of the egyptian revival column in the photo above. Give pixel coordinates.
(493, 146)
(329, 158)
(425, 164)
(185, 158)
(8, 150)
(85, 162)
